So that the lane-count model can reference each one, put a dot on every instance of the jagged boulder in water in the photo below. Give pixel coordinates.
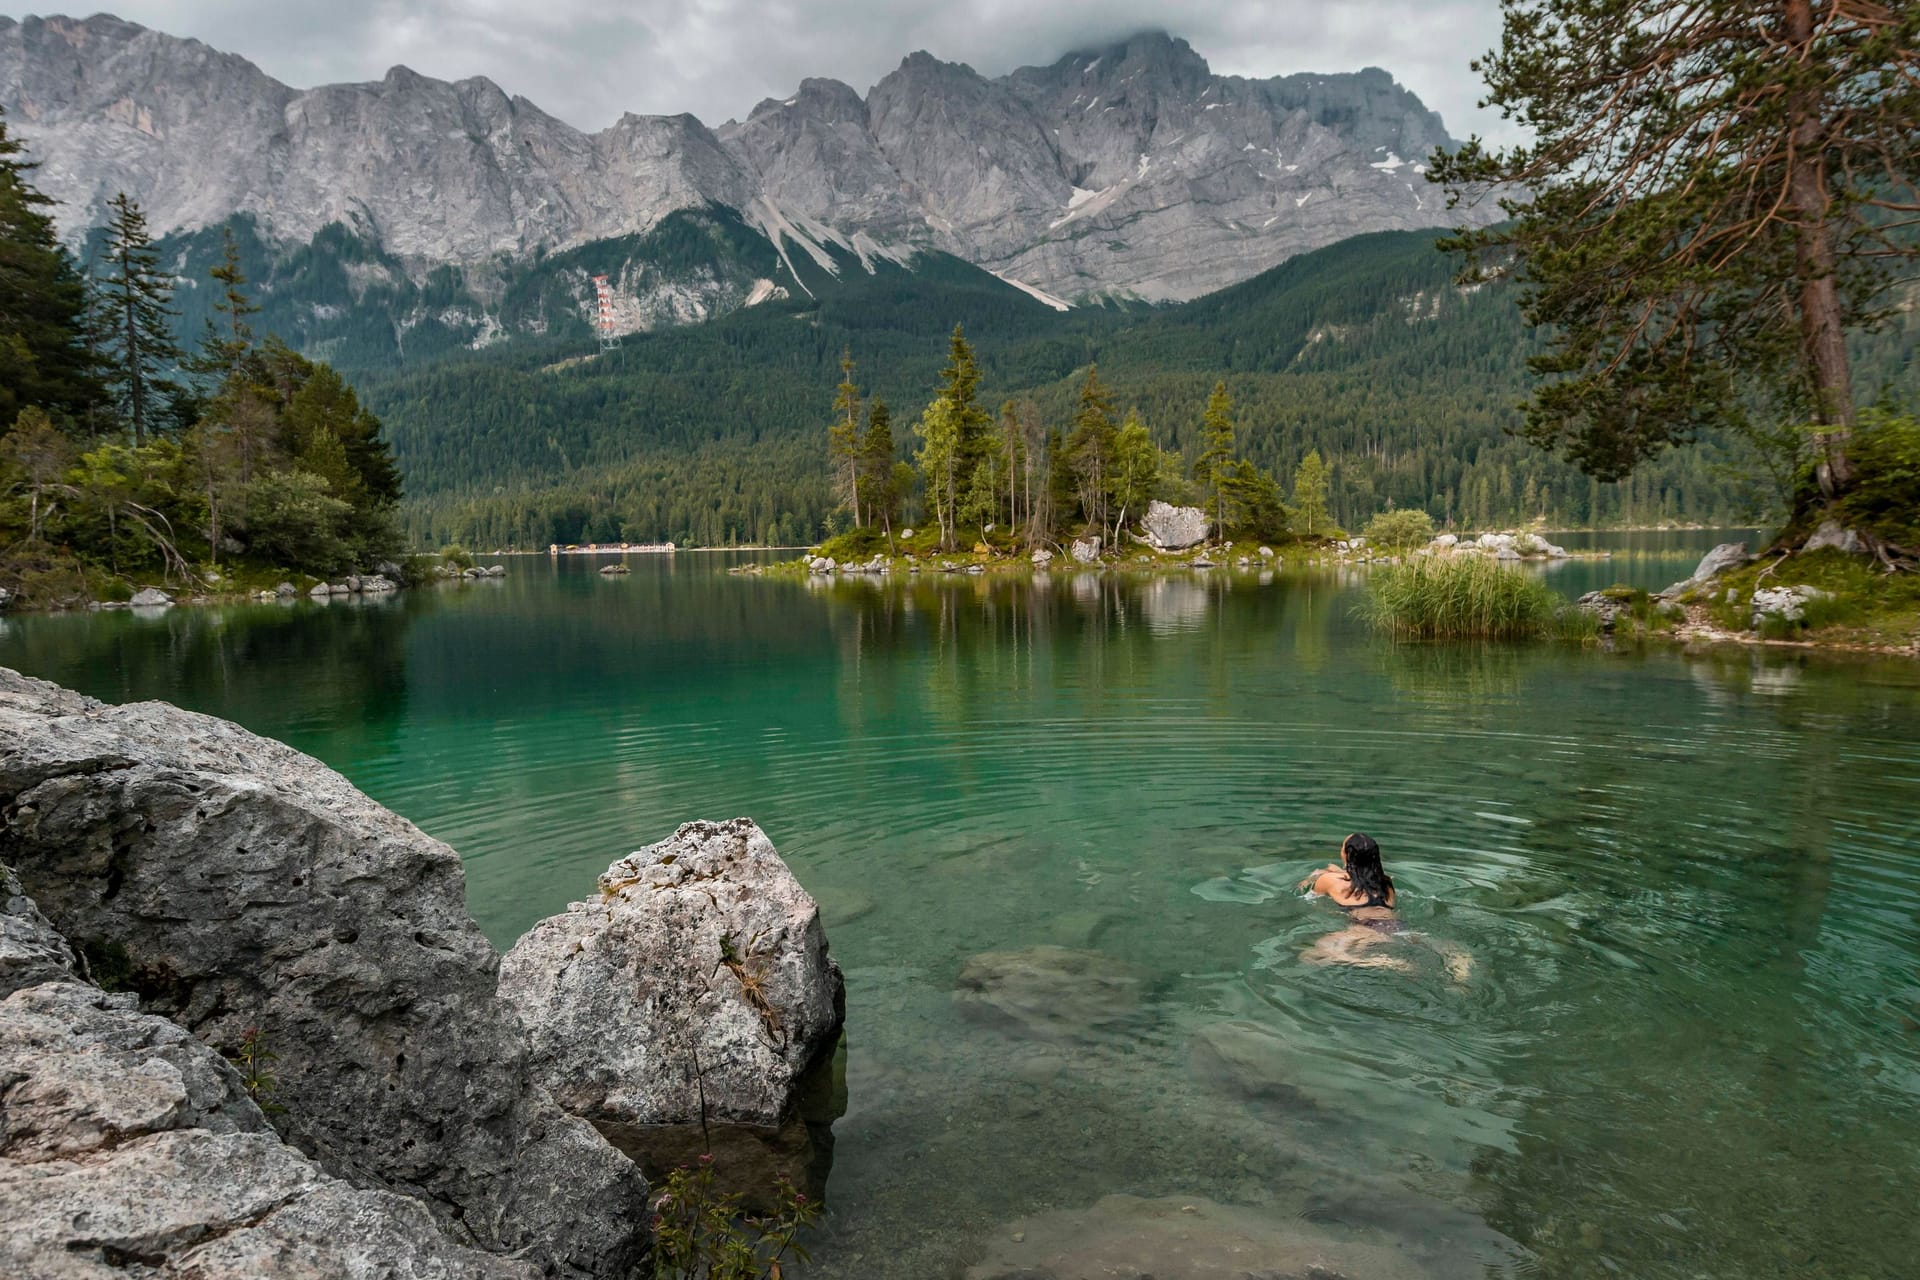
(694, 992)
(1171, 528)
(131, 1148)
(232, 883)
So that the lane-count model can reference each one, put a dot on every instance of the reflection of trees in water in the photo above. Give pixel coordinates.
(328, 678)
(1083, 634)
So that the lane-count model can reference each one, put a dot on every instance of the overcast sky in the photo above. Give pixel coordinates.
(587, 61)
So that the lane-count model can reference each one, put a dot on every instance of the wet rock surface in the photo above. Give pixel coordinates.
(228, 882)
(692, 1001)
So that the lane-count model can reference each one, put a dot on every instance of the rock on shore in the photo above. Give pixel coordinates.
(696, 984)
(128, 1147)
(229, 882)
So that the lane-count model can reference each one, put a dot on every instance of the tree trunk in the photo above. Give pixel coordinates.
(133, 371)
(1823, 340)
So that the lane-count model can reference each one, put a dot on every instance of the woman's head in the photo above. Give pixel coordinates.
(1361, 854)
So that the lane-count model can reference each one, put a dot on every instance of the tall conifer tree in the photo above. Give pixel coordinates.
(44, 360)
(1216, 453)
(1712, 194)
(137, 297)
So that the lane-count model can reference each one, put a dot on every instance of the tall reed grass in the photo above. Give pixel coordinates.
(1468, 597)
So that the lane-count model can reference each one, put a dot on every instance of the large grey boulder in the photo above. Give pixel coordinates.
(691, 1005)
(1087, 550)
(128, 1147)
(1832, 536)
(232, 883)
(1170, 528)
(1728, 555)
(150, 598)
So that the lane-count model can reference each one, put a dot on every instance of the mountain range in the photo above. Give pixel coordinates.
(1127, 172)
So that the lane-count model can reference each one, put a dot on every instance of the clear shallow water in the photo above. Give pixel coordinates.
(1689, 1046)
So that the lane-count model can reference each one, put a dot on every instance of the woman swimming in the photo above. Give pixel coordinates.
(1360, 886)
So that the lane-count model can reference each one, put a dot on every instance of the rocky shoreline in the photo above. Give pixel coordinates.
(174, 889)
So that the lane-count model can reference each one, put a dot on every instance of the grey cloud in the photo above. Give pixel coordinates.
(587, 61)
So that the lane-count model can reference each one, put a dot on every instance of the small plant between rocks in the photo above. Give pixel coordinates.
(702, 1233)
(253, 1059)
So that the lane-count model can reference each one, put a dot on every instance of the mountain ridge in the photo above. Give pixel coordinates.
(1126, 171)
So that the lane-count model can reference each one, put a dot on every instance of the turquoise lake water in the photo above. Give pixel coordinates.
(1689, 884)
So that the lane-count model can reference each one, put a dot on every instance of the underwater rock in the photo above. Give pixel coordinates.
(1125, 1237)
(234, 883)
(1050, 993)
(1249, 1060)
(695, 992)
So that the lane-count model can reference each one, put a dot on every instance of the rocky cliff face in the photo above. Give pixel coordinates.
(228, 883)
(1132, 170)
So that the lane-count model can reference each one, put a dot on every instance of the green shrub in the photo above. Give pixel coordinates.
(855, 544)
(701, 1233)
(457, 556)
(1885, 496)
(1399, 530)
(1467, 597)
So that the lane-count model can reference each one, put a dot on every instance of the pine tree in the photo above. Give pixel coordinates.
(876, 467)
(44, 360)
(137, 296)
(843, 437)
(1090, 446)
(1709, 204)
(1061, 490)
(939, 429)
(1012, 455)
(1136, 470)
(960, 387)
(1310, 494)
(229, 340)
(1216, 453)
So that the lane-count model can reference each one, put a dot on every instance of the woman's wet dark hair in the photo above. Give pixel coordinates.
(1364, 871)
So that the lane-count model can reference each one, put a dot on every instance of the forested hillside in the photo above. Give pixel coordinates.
(715, 433)
(511, 431)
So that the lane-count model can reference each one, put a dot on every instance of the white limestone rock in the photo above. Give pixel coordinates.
(696, 982)
(1170, 528)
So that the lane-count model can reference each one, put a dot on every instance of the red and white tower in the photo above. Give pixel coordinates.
(609, 339)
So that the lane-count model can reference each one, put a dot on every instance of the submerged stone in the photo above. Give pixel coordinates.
(1050, 993)
(1124, 1237)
